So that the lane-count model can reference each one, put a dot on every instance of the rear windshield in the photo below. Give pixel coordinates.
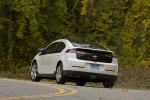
(89, 45)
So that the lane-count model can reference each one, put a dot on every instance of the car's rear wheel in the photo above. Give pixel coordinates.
(108, 84)
(33, 73)
(59, 74)
(80, 83)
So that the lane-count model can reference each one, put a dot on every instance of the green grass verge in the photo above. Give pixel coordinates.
(128, 78)
(133, 78)
(19, 75)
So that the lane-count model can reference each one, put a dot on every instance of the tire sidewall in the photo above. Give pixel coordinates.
(108, 84)
(36, 78)
(62, 79)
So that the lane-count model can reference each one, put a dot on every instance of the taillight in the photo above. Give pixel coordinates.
(70, 51)
(75, 51)
(80, 52)
(108, 55)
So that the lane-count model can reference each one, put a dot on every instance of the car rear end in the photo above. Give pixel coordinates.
(90, 65)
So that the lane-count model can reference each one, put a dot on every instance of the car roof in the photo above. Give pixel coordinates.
(64, 40)
(69, 43)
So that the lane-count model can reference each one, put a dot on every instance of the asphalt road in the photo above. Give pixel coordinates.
(26, 90)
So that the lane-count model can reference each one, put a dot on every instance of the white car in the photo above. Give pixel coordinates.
(64, 60)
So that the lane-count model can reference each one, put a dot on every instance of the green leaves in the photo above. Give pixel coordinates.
(121, 25)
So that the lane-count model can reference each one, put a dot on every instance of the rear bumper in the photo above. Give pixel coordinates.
(87, 76)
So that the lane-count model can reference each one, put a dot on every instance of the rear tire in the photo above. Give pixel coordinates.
(80, 83)
(59, 74)
(108, 84)
(34, 73)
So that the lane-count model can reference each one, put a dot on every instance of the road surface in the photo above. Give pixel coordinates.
(26, 90)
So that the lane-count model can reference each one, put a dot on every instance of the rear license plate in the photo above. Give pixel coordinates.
(94, 66)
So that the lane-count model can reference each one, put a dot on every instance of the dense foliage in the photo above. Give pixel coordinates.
(121, 25)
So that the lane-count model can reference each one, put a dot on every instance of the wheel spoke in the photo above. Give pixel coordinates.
(33, 74)
(58, 74)
(33, 71)
(59, 78)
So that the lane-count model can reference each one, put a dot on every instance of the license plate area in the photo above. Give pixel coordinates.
(94, 66)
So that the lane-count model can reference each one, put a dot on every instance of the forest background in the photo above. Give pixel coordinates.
(121, 25)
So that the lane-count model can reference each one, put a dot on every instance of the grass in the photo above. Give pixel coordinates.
(20, 75)
(133, 78)
(128, 78)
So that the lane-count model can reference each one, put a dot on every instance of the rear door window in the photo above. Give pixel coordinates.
(60, 47)
(52, 48)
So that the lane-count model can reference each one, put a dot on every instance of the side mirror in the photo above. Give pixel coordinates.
(41, 50)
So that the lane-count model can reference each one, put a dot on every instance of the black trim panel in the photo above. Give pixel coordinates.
(47, 76)
(87, 76)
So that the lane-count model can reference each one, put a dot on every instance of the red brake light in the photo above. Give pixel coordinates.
(80, 52)
(108, 55)
(67, 51)
(75, 51)
(70, 51)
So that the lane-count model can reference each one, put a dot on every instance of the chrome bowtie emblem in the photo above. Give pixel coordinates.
(95, 57)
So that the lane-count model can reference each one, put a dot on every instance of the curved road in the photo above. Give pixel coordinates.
(26, 90)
